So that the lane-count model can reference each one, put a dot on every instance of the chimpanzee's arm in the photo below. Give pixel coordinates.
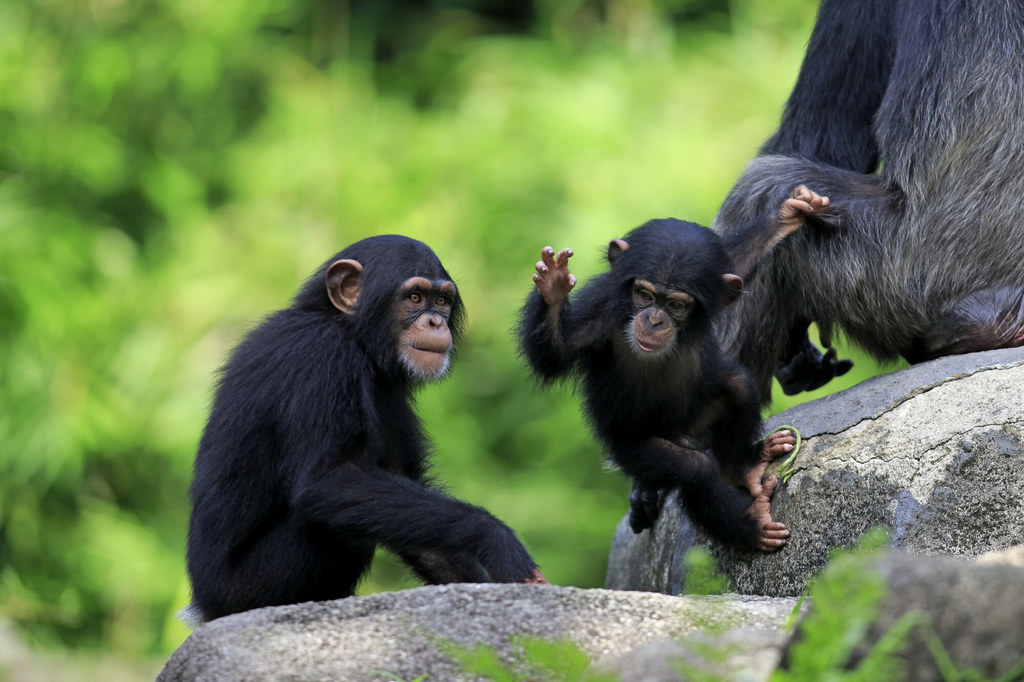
(647, 494)
(439, 568)
(542, 337)
(415, 521)
(550, 336)
(842, 80)
(853, 44)
(661, 463)
(750, 242)
(858, 203)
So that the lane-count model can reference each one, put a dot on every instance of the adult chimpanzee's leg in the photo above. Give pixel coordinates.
(992, 318)
(803, 367)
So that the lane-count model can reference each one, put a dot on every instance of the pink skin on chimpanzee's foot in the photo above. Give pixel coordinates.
(772, 534)
(776, 445)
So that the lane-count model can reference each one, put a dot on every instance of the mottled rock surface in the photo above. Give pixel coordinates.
(934, 452)
(398, 633)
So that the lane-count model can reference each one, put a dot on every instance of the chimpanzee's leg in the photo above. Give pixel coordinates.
(984, 320)
(721, 509)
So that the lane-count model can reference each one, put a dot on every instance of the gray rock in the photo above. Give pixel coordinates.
(975, 612)
(733, 655)
(1011, 556)
(934, 452)
(398, 633)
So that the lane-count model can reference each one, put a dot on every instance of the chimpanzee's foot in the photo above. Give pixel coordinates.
(985, 320)
(772, 534)
(644, 506)
(776, 445)
(808, 369)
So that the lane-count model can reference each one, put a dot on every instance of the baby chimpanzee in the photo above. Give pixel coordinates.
(672, 413)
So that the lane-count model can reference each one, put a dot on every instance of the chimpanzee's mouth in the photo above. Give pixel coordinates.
(439, 350)
(648, 346)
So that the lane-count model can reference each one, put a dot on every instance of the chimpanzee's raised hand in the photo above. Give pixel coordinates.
(553, 279)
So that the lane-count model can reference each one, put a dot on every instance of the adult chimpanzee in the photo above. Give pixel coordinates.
(656, 389)
(908, 115)
(313, 455)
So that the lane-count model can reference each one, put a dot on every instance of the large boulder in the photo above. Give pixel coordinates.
(963, 615)
(403, 634)
(935, 453)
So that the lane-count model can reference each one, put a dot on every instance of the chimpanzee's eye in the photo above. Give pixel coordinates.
(415, 297)
(644, 296)
(441, 301)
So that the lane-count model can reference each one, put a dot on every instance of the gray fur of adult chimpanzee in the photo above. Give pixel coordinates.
(909, 116)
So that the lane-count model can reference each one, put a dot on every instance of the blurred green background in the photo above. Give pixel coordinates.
(171, 170)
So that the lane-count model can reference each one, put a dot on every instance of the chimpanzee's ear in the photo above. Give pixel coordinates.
(616, 248)
(344, 281)
(734, 283)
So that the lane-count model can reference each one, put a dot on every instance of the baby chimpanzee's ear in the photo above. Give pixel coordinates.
(734, 283)
(616, 248)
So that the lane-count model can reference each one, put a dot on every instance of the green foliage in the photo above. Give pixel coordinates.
(702, 574)
(171, 170)
(847, 598)
(535, 659)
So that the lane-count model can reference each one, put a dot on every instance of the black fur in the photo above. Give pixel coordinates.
(656, 416)
(909, 115)
(313, 456)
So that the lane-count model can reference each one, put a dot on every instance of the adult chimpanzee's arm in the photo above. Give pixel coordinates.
(415, 521)
(843, 78)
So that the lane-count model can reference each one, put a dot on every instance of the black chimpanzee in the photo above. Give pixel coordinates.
(656, 390)
(313, 454)
(908, 116)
